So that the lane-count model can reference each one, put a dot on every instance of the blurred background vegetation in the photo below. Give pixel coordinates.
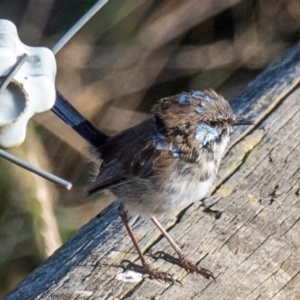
(127, 56)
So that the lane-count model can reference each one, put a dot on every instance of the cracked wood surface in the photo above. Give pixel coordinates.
(247, 234)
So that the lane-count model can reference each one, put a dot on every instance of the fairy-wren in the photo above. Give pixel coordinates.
(162, 164)
(168, 161)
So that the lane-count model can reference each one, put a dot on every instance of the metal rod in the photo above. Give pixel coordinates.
(78, 25)
(35, 170)
(13, 72)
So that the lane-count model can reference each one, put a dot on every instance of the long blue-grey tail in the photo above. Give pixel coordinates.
(66, 112)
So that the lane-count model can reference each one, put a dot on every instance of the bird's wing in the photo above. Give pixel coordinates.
(126, 155)
(109, 175)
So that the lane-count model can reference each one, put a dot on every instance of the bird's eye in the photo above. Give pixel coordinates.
(213, 123)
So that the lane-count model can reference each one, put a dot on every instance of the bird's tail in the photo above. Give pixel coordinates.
(66, 112)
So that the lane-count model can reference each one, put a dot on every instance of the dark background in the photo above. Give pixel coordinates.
(127, 56)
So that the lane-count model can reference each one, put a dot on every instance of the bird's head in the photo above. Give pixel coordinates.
(205, 116)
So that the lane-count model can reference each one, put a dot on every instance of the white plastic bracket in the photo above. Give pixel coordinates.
(32, 89)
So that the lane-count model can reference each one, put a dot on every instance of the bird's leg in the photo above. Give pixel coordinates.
(145, 268)
(182, 261)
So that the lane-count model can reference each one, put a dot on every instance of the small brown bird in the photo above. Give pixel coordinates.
(164, 163)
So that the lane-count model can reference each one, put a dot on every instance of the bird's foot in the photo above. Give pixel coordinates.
(152, 273)
(185, 263)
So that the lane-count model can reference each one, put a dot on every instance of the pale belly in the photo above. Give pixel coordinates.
(177, 193)
(188, 191)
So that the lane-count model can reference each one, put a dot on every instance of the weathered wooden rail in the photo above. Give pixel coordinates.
(248, 235)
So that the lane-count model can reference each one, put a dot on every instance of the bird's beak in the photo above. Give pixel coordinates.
(241, 121)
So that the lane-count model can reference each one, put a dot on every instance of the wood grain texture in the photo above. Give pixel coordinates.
(248, 233)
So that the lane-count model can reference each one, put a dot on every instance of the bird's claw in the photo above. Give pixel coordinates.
(183, 262)
(152, 273)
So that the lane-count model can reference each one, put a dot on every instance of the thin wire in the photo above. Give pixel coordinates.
(35, 170)
(77, 26)
(12, 72)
